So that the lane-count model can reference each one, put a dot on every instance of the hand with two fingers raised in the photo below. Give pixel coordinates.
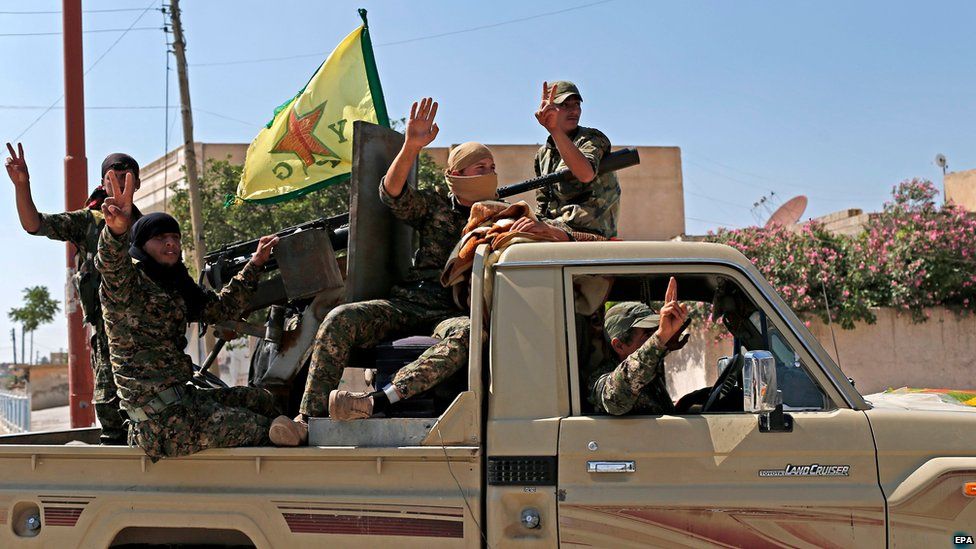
(117, 208)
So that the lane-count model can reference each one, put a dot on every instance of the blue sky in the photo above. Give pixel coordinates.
(835, 100)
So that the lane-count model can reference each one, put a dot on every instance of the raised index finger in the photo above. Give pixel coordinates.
(672, 292)
(11, 149)
(113, 184)
(20, 147)
(130, 187)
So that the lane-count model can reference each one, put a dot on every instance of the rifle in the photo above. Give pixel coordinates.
(222, 264)
(617, 160)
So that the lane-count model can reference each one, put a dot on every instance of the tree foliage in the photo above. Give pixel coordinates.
(38, 309)
(911, 256)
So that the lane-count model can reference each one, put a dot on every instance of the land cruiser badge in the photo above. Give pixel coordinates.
(813, 470)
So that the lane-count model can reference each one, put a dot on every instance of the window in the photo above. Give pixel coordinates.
(725, 322)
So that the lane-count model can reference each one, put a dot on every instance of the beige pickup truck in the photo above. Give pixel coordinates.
(783, 452)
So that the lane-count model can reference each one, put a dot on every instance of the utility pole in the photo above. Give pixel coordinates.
(80, 378)
(13, 339)
(189, 153)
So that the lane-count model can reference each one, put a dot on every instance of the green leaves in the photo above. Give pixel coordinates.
(38, 308)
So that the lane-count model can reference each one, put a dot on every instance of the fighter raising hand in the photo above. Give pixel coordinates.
(673, 314)
(117, 208)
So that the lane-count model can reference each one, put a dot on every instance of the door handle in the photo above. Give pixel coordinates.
(611, 467)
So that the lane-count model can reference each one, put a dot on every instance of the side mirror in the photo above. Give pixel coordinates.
(759, 392)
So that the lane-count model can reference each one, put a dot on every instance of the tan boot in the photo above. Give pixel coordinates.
(346, 405)
(287, 432)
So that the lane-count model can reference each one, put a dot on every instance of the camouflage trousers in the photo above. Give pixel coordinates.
(439, 362)
(106, 396)
(365, 324)
(207, 418)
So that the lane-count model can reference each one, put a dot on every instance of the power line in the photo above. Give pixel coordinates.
(409, 40)
(58, 12)
(100, 57)
(59, 33)
(98, 108)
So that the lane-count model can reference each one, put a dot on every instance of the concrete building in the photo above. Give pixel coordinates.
(652, 207)
(960, 189)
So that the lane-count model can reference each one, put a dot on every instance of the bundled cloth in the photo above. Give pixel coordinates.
(490, 223)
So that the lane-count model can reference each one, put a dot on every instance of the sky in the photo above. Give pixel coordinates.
(835, 100)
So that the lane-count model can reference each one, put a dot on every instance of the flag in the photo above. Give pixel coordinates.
(308, 144)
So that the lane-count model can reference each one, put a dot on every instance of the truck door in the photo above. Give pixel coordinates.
(715, 477)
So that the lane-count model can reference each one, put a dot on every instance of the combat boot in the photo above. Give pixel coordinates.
(346, 405)
(285, 431)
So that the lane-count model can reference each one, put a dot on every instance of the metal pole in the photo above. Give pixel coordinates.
(80, 378)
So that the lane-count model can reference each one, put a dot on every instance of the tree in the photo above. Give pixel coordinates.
(226, 220)
(38, 309)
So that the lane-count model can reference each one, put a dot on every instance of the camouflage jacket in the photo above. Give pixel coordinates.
(438, 220)
(635, 385)
(592, 207)
(81, 228)
(147, 326)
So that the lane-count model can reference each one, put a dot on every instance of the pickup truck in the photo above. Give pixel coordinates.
(786, 454)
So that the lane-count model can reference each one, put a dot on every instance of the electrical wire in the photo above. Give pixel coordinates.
(407, 40)
(58, 12)
(92, 66)
(93, 31)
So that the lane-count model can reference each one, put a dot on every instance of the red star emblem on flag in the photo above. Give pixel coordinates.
(300, 140)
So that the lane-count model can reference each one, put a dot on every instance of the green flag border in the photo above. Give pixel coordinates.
(379, 105)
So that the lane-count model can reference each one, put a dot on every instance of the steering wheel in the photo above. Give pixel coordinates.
(725, 382)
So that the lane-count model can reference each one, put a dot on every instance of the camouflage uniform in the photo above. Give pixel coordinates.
(591, 207)
(146, 329)
(637, 384)
(419, 300)
(82, 228)
(438, 362)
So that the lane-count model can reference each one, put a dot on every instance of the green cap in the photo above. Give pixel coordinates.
(564, 90)
(626, 315)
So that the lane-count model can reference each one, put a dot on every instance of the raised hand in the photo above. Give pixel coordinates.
(265, 245)
(673, 314)
(421, 128)
(117, 208)
(548, 114)
(17, 166)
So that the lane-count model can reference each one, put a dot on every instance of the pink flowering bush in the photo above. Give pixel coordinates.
(913, 255)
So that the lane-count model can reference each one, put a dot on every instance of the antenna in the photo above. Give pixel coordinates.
(823, 286)
(940, 161)
(789, 213)
(763, 206)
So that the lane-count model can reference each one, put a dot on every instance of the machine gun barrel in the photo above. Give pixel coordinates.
(228, 260)
(617, 160)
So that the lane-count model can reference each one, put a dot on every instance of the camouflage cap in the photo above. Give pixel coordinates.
(626, 315)
(564, 90)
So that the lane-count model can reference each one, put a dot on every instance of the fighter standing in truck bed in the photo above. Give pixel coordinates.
(592, 202)
(81, 228)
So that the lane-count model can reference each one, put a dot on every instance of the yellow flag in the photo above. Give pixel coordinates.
(308, 143)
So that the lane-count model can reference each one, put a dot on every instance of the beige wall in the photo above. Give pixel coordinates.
(893, 352)
(48, 386)
(159, 175)
(960, 188)
(655, 183)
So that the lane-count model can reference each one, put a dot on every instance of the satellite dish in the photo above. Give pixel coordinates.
(940, 161)
(788, 213)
